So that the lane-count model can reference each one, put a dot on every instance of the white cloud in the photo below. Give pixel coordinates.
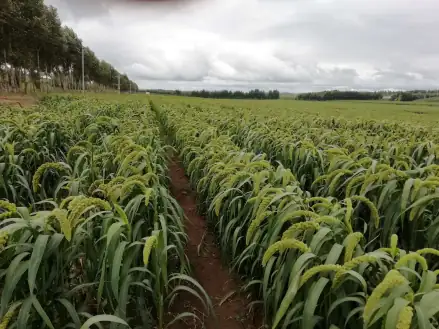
(293, 45)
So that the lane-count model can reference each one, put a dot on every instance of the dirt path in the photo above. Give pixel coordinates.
(17, 100)
(208, 269)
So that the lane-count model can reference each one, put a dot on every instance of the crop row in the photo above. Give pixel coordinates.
(89, 232)
(403, 190)
(314, 260)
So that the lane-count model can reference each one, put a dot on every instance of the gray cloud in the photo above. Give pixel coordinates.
(290, 45)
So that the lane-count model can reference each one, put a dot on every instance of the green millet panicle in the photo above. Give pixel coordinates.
(71, 201)
(430, 184)
(236, 178)
(318, 269)
(95, 185)
(64, 222)
(373, 210)
(352, 182)
(148, 193)
(330, 220)
(412, 256)
(262, 206)
(283, 203)
(417, 184)
(74, 149)
(359, 260)
(327, 206)
(129, 185)
(333, 185)
(405, 318)
(319, 179)
(123, 216)
(317, 199)
(254, 225)
(391, 280)
(150, 243)
(350, 243)
(8, 209)
(77, 208)
(351, 265)
(337, 172)
(4, 237)
(410, 296)
(257, 179)
(9, 315)
(116, 181)
(283, 245)
(299, 213)
(57, 166)
(428, 251)
(298, 228)
(348, 214)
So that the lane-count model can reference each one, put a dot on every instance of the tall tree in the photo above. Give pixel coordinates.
(34, 44)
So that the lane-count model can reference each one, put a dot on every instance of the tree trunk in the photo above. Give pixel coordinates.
(17, 78)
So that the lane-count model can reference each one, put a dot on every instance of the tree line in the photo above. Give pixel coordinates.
(412, 95)
(221, 94)
(37, 52)
(339, 95)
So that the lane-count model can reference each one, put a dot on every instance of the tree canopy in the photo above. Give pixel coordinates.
(339, 95)
(35, 47)
(225, 94)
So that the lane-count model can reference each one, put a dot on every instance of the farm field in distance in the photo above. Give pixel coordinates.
(420, 112)
(327, 211)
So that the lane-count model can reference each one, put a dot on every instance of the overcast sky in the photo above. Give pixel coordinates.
(290, 45)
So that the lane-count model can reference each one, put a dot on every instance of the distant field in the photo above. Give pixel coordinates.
(420, 113)
(429, 100)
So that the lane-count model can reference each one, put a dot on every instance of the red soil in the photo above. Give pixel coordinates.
(208, 269)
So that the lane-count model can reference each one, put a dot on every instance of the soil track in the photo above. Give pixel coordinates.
(229, 305)
(18, 100)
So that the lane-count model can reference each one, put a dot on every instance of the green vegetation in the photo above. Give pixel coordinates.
(221, 94)
(328, 210)
(89, 232)
(402, 96)
(332, 221)
(331, 95)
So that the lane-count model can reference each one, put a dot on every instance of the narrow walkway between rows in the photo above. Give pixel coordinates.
(230, 306)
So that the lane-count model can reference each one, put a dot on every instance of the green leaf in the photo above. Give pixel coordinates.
(192, 281)
(406, 194)
(35, 260)
(312, 298)
(114, 228)
(318, 239)
(42, 313)
(71, 310)
(12, 278)
(429, 304)
(182, 316)
(115, 271)
(422, 319)
(334, 254)
(428, 282)
(24, 313)
(393, 313)
(102, 318)
(349, 299)
(287, 301)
